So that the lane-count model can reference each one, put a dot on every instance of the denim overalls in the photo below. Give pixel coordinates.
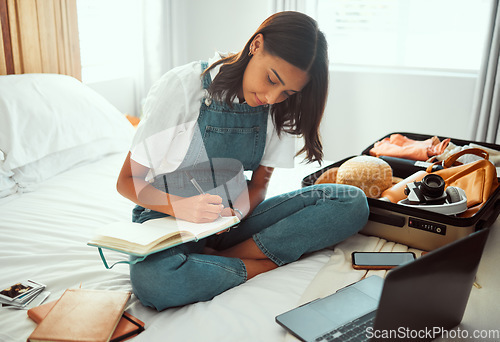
(284, 227)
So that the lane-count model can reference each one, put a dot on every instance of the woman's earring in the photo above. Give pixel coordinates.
(250, 51)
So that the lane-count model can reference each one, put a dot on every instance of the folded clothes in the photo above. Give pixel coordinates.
(398, 145)
(494, 155)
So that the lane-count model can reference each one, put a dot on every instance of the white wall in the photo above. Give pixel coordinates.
(120, 92)
(363, 104)
(221, 25)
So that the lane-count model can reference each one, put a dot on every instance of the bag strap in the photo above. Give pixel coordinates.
(135, 261)
(453, 158)
(476, 151)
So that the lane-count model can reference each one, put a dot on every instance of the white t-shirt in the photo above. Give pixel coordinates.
(170, 119)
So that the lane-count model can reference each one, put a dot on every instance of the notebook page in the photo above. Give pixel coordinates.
(152, 230)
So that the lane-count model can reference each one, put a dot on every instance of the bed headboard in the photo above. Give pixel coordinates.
(39, 36)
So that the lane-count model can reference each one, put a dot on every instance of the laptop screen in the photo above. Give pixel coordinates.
(422, 298)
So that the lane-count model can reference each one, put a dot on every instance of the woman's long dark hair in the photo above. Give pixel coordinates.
(294, 37)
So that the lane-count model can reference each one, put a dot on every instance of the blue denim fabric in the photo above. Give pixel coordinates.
(284, 227)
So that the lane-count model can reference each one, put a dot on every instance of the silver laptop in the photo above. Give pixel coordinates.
(416, 302)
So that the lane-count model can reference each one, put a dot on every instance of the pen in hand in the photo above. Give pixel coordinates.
(195, 183)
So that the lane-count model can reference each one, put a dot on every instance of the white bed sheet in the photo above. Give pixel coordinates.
(44, 235)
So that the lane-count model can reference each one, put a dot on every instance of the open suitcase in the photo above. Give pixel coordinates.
(415, 227)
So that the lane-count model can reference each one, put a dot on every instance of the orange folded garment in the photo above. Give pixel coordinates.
(397, 145)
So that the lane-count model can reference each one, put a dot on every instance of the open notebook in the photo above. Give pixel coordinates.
(155, 235)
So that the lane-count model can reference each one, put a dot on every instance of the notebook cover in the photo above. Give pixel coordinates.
(82, 315)
(127, 327)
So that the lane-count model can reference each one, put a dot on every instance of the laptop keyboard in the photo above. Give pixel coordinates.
(352, 331)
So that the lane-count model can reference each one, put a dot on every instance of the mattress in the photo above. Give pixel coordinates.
(44, 236)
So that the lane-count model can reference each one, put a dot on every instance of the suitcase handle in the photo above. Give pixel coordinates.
(393, 220)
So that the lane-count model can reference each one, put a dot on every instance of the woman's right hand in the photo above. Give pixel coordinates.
(199, 209)
(132, 185)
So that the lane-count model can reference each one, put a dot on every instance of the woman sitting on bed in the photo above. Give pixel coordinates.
(209, 121)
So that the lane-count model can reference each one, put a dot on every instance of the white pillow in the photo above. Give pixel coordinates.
(50, 122)
(7, 184)
(28, 177)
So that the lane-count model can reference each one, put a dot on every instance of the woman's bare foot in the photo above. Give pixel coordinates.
(210, 251)
(255, 267)
(255, 261)
(245, 250)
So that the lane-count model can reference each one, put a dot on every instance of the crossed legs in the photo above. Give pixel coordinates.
(255, 261)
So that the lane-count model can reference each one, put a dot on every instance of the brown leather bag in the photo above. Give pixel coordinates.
(478, 179)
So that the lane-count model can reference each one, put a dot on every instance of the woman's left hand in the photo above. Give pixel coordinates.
(227, 212)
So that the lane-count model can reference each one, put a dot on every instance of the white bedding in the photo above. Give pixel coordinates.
(44, 235)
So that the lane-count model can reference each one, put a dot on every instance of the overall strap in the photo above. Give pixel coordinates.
(206, 79)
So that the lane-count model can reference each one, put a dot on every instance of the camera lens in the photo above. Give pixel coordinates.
(432, 185)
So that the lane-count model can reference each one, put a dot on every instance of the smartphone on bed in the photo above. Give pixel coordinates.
(380, 260)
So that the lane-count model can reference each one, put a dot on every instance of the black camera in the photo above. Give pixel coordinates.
(430, 190)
